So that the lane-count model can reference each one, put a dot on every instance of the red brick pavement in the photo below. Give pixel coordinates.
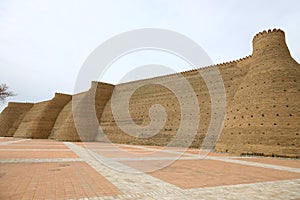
(52, 181)
(63, 180)
(207, 173)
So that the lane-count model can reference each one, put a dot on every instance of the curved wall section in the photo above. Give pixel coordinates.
(39, 120)
(11, 117)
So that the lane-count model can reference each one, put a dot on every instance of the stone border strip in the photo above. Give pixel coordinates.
(287, 189)
(152, 158)
(128, 183)
(225, 159)
(256, 164)
(143, 186)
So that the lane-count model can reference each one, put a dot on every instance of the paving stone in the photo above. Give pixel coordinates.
(92, 175)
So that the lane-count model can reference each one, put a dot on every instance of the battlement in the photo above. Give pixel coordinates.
(268, 33)
(230, 63)
(195, 70)
(270, 45)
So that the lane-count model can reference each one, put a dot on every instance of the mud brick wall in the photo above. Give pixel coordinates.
(264, 116)
(153, 92)
(262, 93)
(262, 106)
(64, 128)
(11, 117)
(39, 120)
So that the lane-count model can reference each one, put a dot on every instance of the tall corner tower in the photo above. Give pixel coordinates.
(264, 116)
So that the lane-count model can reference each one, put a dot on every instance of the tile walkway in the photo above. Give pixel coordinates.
(46, 169)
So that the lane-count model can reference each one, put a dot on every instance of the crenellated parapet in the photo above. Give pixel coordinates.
(271, 46)
(268, 33)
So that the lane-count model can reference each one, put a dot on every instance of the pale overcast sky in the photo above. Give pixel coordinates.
(44, 43)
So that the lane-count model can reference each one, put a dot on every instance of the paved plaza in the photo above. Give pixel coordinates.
(47, 169)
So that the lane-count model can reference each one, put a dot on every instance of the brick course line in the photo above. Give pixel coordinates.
(34, 149)
(13, 141)
(152, 158)
(39, 160)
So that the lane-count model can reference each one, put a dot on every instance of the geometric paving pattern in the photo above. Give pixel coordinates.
(46, 169)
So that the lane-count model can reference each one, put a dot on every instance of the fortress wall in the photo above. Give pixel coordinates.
(139, 105)
(262, 92)
(30, 120)
(233, 74)
(11, 117)
(64, 128)
(90, 108)
(264, 115)
(38, 122)
(262, 99)
(153, 93)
